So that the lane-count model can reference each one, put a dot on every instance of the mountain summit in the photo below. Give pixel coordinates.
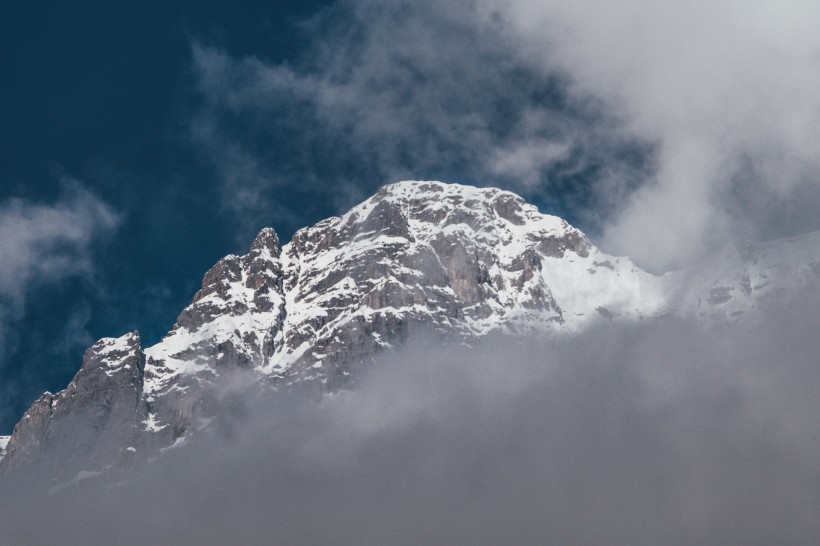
(449, 260)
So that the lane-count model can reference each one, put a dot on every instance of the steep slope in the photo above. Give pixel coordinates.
(451, 260)
(90, 423)
(448, 260)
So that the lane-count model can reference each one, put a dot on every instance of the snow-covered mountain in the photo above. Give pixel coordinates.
(449, 260)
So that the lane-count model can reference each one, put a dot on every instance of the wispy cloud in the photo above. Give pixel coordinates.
(46, 243)
(386, 91)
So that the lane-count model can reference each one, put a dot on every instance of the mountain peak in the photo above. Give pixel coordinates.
(87, 422)
(442, 196)
(448, 259)
(114, 345)
(434, 189)
(267, 240)
(425, 209)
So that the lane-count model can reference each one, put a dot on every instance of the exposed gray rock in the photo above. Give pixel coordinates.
(85, 425)
(453, 261)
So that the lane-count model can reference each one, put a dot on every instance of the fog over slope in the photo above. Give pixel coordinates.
(667, 432)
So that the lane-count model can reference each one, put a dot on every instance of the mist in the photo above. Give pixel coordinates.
(665, 432)
(725, 89)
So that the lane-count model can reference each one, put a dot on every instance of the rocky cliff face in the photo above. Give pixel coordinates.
(90, 422)
(450, 260)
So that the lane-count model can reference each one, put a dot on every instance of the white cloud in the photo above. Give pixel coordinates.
(45, 243)
(662, 432)
(401, 90)
(728, 89)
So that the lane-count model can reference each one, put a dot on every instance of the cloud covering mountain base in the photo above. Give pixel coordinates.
(667, 432)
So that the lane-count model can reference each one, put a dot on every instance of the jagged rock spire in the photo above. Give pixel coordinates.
(267, 239)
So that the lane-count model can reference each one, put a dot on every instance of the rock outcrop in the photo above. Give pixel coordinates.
(90, 422)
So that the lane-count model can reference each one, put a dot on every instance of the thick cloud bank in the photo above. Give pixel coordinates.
(660, 433)
(727, 91)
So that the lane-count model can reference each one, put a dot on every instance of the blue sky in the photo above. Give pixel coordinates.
(142, 141)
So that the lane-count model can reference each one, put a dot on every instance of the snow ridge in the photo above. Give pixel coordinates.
(448, 257)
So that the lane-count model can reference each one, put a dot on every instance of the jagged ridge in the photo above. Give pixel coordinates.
(452, 260)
